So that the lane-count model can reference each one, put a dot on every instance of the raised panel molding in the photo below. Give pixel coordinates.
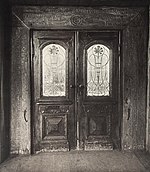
(54, 127)
(53, 121)
(99, 125)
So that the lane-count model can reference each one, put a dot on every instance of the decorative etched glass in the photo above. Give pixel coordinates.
(98, 70)
(54, 70)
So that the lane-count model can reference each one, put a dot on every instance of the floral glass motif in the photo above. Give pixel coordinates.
(54, 70)
(98, 69)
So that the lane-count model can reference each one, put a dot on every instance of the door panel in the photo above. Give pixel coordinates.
(75, 93)
(98, 92)
(53, 66)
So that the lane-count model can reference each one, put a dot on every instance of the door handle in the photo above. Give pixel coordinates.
(25, 113)
(81, 86)
(71, 86)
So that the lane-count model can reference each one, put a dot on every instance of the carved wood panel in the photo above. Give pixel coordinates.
(72, 17)
(54, 109)
(54, 127)
(54, 121)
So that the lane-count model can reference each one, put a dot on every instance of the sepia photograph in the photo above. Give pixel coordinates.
(74, 86)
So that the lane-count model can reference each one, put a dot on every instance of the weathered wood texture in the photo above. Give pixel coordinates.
(133, 23)
(20, 91)
(74, 18)
(134, 50)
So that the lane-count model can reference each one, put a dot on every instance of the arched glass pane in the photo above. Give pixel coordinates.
(54, 70)
(98, 70)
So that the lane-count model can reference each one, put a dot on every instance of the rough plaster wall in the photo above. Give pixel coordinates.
(20, 99)
(134, 87)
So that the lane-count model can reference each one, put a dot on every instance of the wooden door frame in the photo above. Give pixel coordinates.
(124, 19)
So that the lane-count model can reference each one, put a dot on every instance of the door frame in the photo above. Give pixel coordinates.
(124, 19)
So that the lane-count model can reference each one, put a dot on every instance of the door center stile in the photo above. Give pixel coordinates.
(77, 89)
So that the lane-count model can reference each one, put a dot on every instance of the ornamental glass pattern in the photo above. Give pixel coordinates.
(98, 70)
(54, 70)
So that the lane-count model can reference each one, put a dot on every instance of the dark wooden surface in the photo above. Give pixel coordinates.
(45, 110)
(50, 108)
(102, 110)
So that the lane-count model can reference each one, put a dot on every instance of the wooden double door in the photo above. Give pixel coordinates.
(75, 92)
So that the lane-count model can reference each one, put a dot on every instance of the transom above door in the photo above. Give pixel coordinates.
(75, 90)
